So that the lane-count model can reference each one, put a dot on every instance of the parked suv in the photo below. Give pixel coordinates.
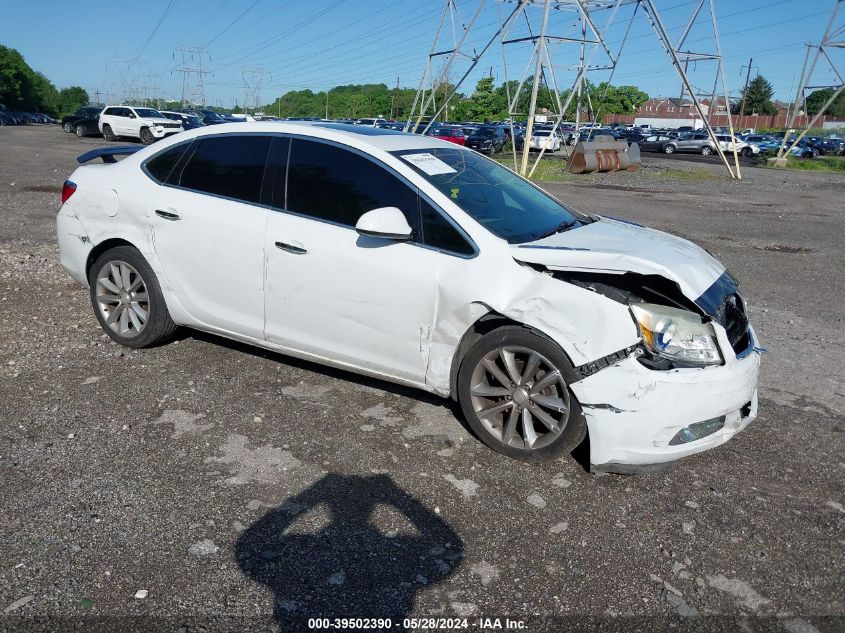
(145, 124)
(697, 142)
(82, 122)
(487, 139)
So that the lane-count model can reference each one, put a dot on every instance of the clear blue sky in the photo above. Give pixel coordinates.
(323, 43)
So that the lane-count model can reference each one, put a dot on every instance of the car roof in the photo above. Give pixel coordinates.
(384, 139)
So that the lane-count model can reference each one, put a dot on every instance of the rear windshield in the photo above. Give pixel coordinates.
(505, 204)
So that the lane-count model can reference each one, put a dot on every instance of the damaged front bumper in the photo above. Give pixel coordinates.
(642, 420)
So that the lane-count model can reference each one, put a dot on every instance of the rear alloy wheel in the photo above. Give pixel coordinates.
(127, 299)
(513, 391)
(80, 131)
(147, 137)
(68, 127)
(706, 150)
(669, 149)
(108, 134)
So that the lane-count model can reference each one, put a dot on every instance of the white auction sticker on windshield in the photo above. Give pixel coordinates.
(429, 164)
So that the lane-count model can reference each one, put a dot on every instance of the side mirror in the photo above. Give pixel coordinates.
(387, 222)
(131, 115)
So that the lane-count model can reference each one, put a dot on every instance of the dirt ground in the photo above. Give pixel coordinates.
(208, 484)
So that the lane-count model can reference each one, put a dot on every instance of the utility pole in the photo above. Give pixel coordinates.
(393, 99)
(745, 89)
(327, 103)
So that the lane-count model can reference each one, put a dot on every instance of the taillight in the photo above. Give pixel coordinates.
(67, 190)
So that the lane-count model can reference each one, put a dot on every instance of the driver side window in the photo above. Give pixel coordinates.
(331, 183)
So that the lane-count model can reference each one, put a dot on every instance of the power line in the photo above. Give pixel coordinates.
(231, 24)
(155, 30)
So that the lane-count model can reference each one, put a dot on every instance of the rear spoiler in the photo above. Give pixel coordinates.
(108, 153)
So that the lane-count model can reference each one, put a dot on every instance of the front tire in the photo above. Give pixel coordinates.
(147, 137)
(80, 131)
(127, 299)
(513, 390)
(108, 134)
(706, 150)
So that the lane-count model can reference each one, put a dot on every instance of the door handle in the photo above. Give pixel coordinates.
(291, 248)
(167, 215)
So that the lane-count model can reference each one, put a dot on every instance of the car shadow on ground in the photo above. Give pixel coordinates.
(348, 546)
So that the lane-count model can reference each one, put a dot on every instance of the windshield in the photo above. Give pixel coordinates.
(485, 132)
(148, 113)
(502, 202)
(211, 115)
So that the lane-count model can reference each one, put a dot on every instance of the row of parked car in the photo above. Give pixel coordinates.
(680, 140)
(149, 125)
(25, 118)
(142, 123)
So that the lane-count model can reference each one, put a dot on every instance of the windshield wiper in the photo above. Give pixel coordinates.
(560, 228)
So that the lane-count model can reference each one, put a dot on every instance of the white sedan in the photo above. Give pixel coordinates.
(418, 261)
(742, 147)
(544, 139)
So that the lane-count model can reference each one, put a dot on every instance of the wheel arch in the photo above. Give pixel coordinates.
(485, 324)
(102, 247)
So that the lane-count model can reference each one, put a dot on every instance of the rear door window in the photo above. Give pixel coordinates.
(161, 165)
(229, 166)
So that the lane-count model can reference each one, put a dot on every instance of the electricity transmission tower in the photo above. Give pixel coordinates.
(193, 74)
(130, 73)
(253, 77)
(589, 38)
(833, 38)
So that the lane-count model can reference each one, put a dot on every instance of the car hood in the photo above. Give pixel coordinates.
(159, 120)
(615, 246)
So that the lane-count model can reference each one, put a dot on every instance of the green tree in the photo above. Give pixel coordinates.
(71, 99)
(817, 98)
(758, 97)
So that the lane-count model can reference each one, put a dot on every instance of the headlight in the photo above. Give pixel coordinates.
(677, 335)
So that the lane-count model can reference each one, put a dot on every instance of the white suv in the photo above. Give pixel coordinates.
(145, 124)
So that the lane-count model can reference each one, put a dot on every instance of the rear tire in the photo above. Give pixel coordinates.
(127, 299)
(669, 149)
(108, 134)
(525, 423)
(147, 137)
(68, 127)
(706, 150)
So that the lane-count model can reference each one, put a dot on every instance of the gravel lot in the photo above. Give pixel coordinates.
(208, 484)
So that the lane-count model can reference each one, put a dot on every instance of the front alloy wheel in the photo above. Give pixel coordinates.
(520, 397)
(706, 150)
(147, 137)
(513, 390)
